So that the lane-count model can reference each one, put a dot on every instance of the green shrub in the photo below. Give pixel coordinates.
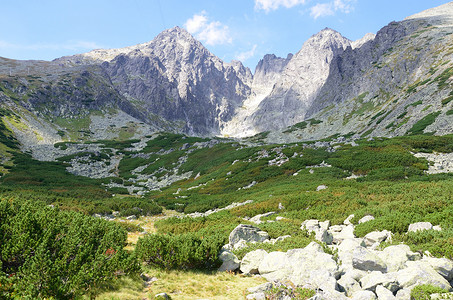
(424, 291)
(419, 127)
(186, 251)
(47, 253)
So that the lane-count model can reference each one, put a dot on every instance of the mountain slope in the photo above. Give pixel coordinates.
(398, 83)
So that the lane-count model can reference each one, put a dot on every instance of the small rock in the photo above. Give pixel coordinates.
(321, 187)
(366, 218)
(162, 296)
(133, 217)
(420, 226)
(348, 220)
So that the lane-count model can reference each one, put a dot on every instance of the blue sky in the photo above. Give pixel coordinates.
(233, 29)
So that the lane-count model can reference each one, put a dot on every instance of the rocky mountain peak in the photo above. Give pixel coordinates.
(441, 15)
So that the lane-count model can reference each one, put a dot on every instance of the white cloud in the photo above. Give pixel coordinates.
(345, 6)
(269, 5)
(210, 32)
(69, 45)
(321, 10)
(196, 23)
(243, 56)
(330, 8)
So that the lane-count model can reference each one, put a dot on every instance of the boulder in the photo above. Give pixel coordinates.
(384, 294)
(420, 226)
(247, 233)
(230, 262)
(324, 225)
(376, 237)
(346, 233)
(336, 228)
(403, 294)
(375, 278)
(310, 225)
(345, 250)
(275, 266)
(366, 218)
(395, 257)
(251, 261)
(420, 273)
(348, 285)
(443, 266)
(364, 295)
(321, 187)
(320, 230)
(437, 228)
(309, 265)
(323, 236)
(162, 296)
(364, 259)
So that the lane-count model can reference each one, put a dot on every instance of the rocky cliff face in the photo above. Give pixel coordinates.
(393, 83)
(299, 82)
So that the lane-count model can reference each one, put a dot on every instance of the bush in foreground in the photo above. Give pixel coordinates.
(47, 253)
(185, 251)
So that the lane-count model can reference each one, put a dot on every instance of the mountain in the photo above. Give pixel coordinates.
(396, 82)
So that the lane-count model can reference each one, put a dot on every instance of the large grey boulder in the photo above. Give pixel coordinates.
(275, 266)
(364, 295)
(420, 273)
(230, 262)
(419, 226)
(375, 278)
(366, 260)
(247, 233)
(395, 257)
(384, 294)
(309, 265)
(251, 261)
(376, 237)
(443, 266)
(345, 251)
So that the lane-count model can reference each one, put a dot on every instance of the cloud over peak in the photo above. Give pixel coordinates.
(268, 5)
(211, 32)
(330, 8)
